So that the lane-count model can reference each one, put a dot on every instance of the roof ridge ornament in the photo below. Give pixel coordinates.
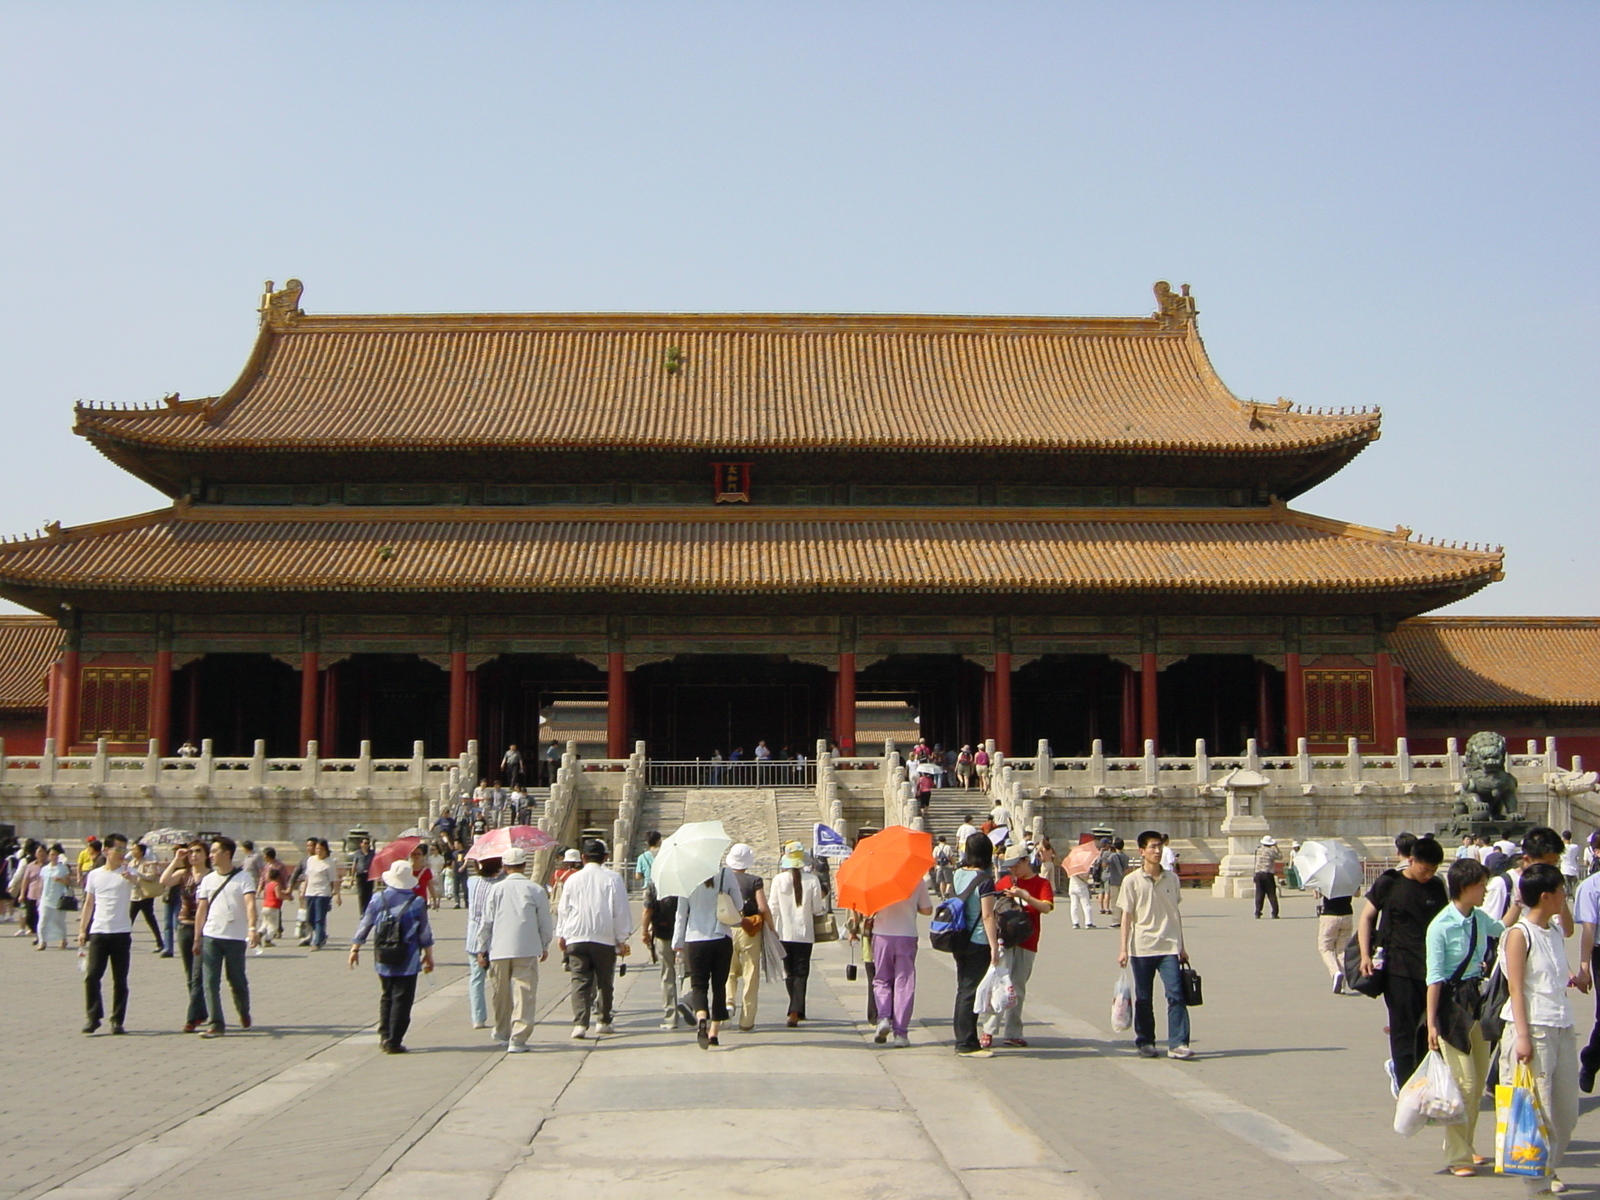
(1175, 310)
(281, 308)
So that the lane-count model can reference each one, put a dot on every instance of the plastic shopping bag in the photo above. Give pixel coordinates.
(1429, 1097)
(1521, 1137)
(996, 992)
(1122, 1002)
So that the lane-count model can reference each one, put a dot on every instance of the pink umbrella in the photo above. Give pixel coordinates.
(496, 842)
(1081, 859)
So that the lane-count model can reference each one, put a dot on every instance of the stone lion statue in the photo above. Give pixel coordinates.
(1489, 792)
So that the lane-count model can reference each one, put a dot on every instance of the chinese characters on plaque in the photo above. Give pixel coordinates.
(731, 482)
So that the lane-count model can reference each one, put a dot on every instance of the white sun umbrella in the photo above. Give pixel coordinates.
(689, 857)
(1332, 868)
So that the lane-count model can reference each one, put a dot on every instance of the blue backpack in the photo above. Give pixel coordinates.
(949, 930)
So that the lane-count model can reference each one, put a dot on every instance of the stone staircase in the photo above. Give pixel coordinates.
(948, 807)
(764, 817)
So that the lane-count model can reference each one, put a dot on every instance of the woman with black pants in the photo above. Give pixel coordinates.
(974, 882)
(706, 945)
(188, 867)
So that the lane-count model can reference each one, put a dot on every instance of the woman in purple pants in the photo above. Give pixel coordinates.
(894, 954)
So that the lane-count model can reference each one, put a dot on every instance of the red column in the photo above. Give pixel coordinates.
(52, 712)
(1294, 701)
(844, 719)
(1266, 731)
(161, 702)
(616, 706)
(70, 683)
(986, 708)
(472, 707)
(458, 703)
(1149, 710)
(310, 680)
(1130, 711)
(1383, 702)
(1397, 688)
(1002, 702)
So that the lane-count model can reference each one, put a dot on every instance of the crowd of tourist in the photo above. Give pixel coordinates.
(1471, 962)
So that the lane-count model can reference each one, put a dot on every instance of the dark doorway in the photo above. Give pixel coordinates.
(234, 699)
(943, 690)
(1225, 699)
(701, 703)
(1068, 700)
(516, 690)
(392, 700)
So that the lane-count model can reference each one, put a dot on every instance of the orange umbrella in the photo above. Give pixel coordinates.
(884, 869)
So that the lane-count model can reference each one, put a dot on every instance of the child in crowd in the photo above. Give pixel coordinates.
(271, 910)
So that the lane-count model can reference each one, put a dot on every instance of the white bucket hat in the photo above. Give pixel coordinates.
(514, 857)
(400, 876)
(741, 857)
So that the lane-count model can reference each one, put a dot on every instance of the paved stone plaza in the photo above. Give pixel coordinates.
(1286, 1098)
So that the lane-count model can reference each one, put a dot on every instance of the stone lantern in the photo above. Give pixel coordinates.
(1244, 826)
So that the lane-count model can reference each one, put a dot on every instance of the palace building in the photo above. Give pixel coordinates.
(703, 531)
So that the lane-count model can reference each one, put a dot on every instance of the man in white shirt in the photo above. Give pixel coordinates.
(967, 830)
(1169, 856)
(225, 925)
(106, 928)
(593, 925)
(1152, 944)
(511, 938)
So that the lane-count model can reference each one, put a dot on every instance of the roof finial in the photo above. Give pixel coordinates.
(1175, 310)
(281, 308)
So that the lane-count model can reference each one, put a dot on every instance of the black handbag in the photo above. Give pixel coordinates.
(1494, 1002)
(1373, 984)
(1461, 1000)
(69, 903)
(1189, 980)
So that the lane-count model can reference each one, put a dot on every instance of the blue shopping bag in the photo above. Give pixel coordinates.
(1521, 1137)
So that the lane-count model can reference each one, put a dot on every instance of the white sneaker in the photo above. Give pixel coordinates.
(900, 1042)
(1394, 1081)
(579, 1032)
(596, 1030)
(516, 1048)
(480, 1024)
(882, 1034)
(1180, 1052)
(669, 1025)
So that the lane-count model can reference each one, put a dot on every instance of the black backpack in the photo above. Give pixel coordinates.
(1013, 921)
(388, 939)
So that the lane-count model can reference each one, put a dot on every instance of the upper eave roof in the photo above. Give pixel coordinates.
(743, 382)
(1272, 550)
(1500, 662)
(28, 645)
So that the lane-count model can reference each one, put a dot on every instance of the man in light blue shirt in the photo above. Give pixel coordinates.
(647, 860)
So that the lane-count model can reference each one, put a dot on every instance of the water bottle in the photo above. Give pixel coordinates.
(83, 960)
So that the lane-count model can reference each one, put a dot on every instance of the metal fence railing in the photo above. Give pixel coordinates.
(707, 773)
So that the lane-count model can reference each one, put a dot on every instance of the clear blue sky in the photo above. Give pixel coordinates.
(1376, 203)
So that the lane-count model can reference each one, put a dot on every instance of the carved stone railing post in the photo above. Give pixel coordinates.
(1097, 763)
(1402, 750)
(208, 767)
(1352, 760)
(1202, 763)
(48, 761)
(152, 764)
(364, 766)
(2, 760)
(1152, 764)
(1252, 755)
(258, 764)
(1452, 756)
(419, 765)
(99, 769)
(1044, 771)
(311, 766)
(1304, 771)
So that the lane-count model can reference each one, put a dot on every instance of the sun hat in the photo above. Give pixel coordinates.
(741, 857)
(514, 857)
(573, 855)
(794, 855)
(1269, 841)
(400, 876)
(1013, 855)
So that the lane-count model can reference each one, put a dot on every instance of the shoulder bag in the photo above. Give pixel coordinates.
(1189, 980)
(1461, 1000)
(727, 911)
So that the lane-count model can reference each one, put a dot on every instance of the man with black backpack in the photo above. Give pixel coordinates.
(402, 945)
(1021, 897)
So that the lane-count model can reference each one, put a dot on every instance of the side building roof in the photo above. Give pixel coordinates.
(1500, 662)
(28, 645)
(726, 383)
(188, 552)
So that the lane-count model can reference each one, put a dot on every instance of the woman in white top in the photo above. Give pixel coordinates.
(1539, 1029)
(57, 881)
(319, 889)
(796, 900)
(705, 946)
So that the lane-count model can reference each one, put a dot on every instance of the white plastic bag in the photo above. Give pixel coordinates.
(996, 993)
(1122, 1002)
(1429, 1097)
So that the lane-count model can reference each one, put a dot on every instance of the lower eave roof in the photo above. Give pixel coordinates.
(28, 645)
(737, 551)
(1500, 662)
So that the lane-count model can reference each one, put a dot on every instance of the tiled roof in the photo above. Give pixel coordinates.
(28, 646)
(1270, 549)
(743, 382)
(1500, 662)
